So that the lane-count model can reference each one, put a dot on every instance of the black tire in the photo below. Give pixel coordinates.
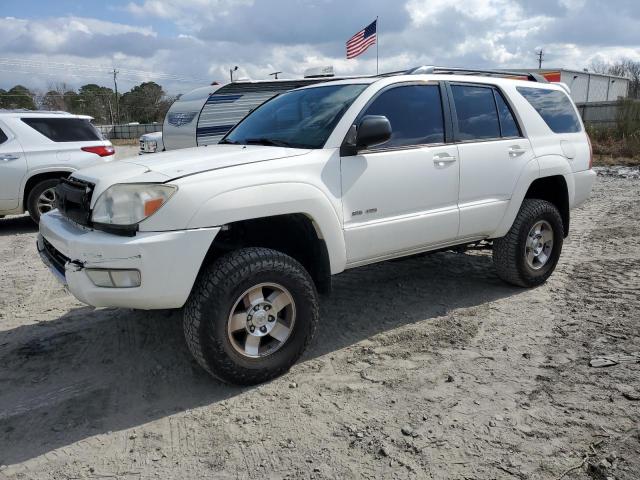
(509, 252)
(34, 195)
(219, 285)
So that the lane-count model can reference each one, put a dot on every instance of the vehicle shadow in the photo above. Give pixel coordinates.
(95, 371)
(15, 225)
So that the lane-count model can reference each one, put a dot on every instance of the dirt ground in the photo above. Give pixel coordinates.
(428, 367)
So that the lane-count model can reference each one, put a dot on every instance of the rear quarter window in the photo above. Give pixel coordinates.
(554, 107)
(3, 136)
(64, 129)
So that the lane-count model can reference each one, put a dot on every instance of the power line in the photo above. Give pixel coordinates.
(91, 70)
(83, 67)
(63, 95)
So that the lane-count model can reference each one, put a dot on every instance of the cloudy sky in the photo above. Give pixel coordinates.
(182, 44)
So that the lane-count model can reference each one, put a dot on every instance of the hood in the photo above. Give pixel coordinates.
(188, 161)
(166, 166)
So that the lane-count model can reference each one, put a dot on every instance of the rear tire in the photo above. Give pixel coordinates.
(41, 198)
(528, 254)
(232, 302)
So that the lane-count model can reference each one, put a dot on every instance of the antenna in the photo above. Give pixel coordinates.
(275, 74)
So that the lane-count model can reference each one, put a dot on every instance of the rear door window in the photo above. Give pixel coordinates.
(415, 113)
(554, 107)
(508, 124)
(476, 112)
(64, 129)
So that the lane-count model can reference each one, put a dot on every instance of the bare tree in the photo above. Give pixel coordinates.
(598, 66)
(622, 68)
(57, 96)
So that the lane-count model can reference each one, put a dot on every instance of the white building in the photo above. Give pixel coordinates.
(587, 87)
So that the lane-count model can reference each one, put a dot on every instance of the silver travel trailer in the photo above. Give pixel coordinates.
(204, 115)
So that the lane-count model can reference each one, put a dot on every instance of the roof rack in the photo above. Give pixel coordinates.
(430, 69)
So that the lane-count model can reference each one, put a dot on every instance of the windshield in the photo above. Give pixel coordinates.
(300, 119)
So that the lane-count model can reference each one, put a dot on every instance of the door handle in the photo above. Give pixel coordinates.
(8, 157)
(441, 159)
(516, 150)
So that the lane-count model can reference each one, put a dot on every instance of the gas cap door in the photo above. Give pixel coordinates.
(568, 149)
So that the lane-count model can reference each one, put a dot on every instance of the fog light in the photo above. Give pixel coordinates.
(114, 278)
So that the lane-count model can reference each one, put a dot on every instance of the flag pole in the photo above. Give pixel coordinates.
(377, 43)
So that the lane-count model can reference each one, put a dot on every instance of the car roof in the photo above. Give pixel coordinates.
(23, 113)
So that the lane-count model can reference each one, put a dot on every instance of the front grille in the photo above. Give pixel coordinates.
(73, 199)
(57, 259)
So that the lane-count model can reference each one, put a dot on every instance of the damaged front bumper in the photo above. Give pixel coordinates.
(167, 262)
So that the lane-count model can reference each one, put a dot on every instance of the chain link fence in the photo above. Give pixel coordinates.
(128, 131)
(599, 114)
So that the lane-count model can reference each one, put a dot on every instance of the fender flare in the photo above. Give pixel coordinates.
(540, 167)
(260, 201)
(557, 165)
(35, 173)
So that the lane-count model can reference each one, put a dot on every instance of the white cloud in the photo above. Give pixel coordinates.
(573, 4)
(186, 13)
(428, 11)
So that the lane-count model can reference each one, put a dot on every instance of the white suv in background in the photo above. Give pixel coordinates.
(39, 148)
(244, 234)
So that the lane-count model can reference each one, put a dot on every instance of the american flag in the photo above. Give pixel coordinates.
(362, 40)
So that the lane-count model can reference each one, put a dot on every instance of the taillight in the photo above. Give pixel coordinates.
(102, 150)
(590, 152)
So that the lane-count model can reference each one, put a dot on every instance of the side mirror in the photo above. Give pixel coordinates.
(373, 130)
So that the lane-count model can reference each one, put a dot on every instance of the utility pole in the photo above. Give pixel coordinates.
(540, 55)
(115, 85)
(275, 74)
(110, 110)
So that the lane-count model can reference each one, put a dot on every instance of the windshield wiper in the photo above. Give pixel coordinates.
(227, 142)
(268, 142)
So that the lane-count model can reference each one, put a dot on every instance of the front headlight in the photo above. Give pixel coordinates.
(130, 203)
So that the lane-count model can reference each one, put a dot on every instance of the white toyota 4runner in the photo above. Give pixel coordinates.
(315, 181)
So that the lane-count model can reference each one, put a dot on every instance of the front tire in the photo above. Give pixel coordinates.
(250, 315)
(528, 254)
(41, 198)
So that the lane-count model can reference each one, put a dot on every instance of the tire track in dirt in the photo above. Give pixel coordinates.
(600, 296)
(423, 368)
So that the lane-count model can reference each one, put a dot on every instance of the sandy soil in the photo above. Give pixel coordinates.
(423, 368)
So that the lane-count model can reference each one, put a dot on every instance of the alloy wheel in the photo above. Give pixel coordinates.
(46, 201)
(261, 320)
(539, 245)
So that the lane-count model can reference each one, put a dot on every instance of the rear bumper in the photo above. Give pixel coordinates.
(168, 262)
(583, 183)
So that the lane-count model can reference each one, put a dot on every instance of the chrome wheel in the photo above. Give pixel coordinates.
(261, 320)
(539, 245)
(46, 201)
